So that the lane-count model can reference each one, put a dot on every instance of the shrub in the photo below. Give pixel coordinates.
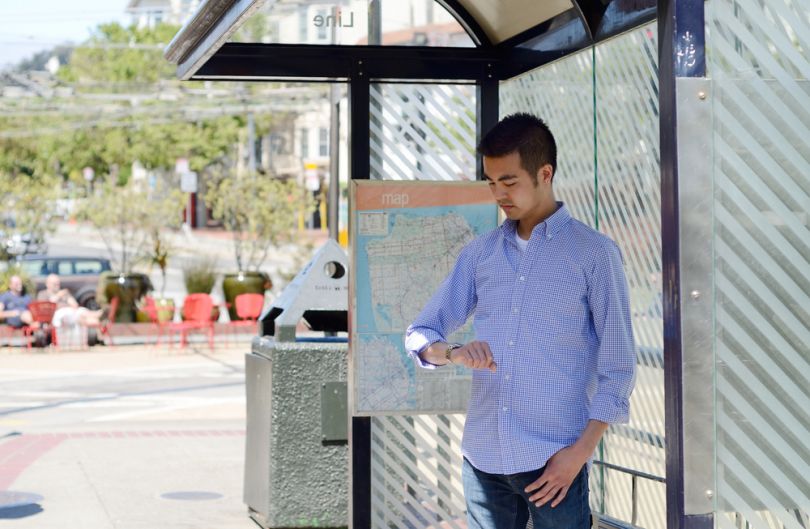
(200, 276)
(14, 270)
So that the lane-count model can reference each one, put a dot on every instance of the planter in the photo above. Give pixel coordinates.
(161, 308)
(128, 288)
(165, 309)
(240, 283)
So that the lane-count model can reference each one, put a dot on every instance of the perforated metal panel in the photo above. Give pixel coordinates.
(760, 59)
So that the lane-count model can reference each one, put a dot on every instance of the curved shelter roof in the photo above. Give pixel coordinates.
(509, 37)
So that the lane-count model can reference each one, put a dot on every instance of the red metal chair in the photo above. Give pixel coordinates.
(42, 313)
(197, 309)
(151, 309)
(7, 332)
(103, 328)
(248, 308)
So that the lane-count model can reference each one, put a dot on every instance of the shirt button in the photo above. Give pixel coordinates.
(506, 377)
(511, 342)
(515, 310)
(523, 278)
(505, 408)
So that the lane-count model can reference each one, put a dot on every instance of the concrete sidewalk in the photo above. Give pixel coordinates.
(123, 438)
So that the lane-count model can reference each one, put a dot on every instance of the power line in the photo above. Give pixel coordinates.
(109, 45)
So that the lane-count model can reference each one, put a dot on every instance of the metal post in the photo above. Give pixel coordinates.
(360, 168)
(681, 54)
(333, 201)
(251, 143)
(487, 108)
(360, 468)
(359, 147)
(374, 22)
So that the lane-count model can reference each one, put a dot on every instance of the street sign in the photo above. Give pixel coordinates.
(188, 182)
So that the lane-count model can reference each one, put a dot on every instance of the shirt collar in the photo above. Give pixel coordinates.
(551, 226)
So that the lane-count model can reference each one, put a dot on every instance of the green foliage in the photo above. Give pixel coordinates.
(112, 111)
(260, 213)
(29, 201)
(127, 218)
(15, 270)
(200, 276)
(122, 55)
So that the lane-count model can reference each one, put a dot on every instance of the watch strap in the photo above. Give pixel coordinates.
(450, 348)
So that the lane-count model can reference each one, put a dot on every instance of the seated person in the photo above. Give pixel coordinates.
(14, 304)
(68, 312)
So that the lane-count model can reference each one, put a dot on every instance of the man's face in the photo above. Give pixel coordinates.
(15, 284)
(514, 189)
(52, 283)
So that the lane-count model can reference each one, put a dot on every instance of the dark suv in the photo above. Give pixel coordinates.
(77, 274)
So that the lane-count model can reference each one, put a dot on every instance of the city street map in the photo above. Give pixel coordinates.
(406, 237)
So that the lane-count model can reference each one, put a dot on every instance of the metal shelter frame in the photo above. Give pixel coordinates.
(201, 52)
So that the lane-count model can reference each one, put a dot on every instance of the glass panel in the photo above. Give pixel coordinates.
(33, 268)
(88, 267)
(64, 268)
(629, 211)
(611, 181)
(348, 22)
(422, 132)
(759, 57)
(416, 472)
(562, 95)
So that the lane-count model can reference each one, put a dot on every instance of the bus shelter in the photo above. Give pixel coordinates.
(683, 130)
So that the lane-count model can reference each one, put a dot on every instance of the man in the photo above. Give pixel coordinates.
(14, 304)
(553, 361)
(68, 312)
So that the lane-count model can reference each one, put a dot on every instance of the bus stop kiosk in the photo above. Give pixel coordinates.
(682, 128)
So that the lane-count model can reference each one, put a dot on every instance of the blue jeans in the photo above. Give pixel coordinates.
(497, 501)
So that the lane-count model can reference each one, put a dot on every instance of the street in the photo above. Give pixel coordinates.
(122, 438)
(186, 247)
(129, 437)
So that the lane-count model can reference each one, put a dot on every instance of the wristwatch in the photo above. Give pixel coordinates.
(450, 348)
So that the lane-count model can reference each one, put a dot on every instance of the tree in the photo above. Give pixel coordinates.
(260, 213)
(118, 101)
(127, 219)
(26, 204)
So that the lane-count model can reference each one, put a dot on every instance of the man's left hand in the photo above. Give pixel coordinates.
(558, 475)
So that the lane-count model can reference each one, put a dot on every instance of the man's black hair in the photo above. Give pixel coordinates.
(525, 134)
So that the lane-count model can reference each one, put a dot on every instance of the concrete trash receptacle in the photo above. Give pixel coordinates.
(296, 450)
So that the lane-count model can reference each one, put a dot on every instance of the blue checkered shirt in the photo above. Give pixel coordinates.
(557, 320)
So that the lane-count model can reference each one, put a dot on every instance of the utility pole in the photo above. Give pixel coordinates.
(333, 200)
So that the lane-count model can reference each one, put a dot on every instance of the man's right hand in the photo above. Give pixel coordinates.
(475, 355)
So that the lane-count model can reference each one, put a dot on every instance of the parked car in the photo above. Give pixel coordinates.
(78, 274)
(14, 244)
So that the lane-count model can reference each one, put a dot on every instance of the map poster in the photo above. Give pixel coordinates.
(406, 236)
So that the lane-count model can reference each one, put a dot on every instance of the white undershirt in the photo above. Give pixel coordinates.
(522, 244)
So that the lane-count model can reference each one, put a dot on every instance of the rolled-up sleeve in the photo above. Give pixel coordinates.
(447, 310)
(616, 355)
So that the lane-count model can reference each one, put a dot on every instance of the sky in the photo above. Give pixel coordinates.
(27, 27)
